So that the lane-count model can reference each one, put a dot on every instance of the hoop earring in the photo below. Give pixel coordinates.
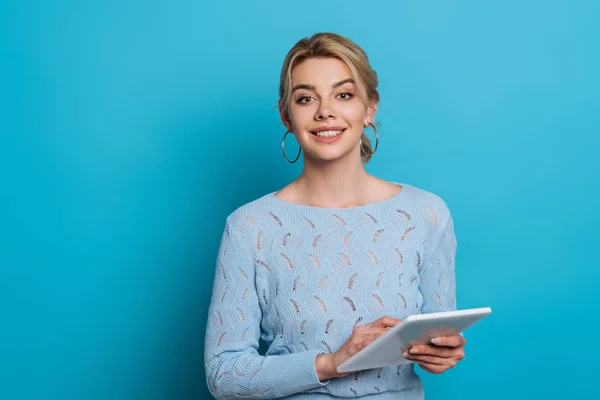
(283, 149)
(376, 140)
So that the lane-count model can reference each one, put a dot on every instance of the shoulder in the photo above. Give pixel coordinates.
(252, 214)
(432, 206)
(424, 196)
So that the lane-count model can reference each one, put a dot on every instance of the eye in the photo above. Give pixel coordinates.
(345, 96)
(303, 99)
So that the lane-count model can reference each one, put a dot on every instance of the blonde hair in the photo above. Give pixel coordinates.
(334, 46)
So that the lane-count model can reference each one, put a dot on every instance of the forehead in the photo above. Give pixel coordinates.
(320, 72)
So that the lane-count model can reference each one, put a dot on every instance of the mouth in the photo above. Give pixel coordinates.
(329, 135)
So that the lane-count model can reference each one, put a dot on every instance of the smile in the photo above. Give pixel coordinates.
(328, 135)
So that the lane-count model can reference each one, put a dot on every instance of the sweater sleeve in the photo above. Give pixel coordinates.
(234, 368)
(437, 274)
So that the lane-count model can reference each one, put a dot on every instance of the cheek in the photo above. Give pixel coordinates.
(353, 110)
(301, 116)
(355, 116)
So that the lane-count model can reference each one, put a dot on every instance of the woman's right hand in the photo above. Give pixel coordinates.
(326, 364)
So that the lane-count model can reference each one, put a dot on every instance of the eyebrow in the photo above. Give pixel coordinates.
(311, 87)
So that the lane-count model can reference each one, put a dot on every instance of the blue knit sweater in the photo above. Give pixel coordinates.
(302, 278)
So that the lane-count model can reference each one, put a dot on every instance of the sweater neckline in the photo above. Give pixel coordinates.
(363, 207)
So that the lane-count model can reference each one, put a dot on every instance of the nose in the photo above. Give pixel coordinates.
(325, 111)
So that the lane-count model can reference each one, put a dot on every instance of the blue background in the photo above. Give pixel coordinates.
(130, 129)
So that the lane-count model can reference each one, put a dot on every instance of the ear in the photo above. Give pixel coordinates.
(371, 111)
(285, 118)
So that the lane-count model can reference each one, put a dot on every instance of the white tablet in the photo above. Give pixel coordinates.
(387, 349)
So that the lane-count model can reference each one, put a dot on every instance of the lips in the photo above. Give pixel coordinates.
(327, 132)
(328, 135)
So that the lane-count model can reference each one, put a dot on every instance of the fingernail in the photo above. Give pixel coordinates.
(435, 341)
(414, 351)
(405, 354)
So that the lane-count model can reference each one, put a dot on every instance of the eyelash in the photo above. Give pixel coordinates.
(349, 95)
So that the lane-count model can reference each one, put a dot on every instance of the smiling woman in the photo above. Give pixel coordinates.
(321, 268)
(309, 114)
(325, 58)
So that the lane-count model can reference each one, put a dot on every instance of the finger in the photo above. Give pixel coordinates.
(448, 362)
(449, 341)
(361, 345)
(384, 322)
(365, 329)
(363, 340)
(369, 336)
(444, 352)
(432, 368)
(376, 330)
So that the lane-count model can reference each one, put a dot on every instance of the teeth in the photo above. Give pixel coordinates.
(328, 133)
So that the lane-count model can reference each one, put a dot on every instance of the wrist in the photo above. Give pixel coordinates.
(325, 367)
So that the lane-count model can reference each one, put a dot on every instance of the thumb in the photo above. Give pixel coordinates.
(384, 322)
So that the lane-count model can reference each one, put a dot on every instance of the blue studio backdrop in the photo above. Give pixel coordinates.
(130, 129)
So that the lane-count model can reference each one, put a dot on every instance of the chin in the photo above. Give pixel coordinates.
(330, 156)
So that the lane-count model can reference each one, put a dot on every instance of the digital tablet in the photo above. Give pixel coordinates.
(387, 349)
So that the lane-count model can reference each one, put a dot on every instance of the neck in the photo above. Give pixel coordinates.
(339, 184)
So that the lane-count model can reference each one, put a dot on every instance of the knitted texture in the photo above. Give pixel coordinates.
(302, 278)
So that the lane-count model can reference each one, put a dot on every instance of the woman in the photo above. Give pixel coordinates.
(324, 266)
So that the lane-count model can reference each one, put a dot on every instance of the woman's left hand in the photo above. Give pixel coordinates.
(443, 354)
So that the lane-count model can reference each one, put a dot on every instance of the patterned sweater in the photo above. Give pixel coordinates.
(302, 278)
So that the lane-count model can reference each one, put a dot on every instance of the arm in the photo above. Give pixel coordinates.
(234, 369)
(437, 274)
(438, 289)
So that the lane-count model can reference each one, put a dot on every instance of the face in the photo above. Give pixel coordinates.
(325, 111)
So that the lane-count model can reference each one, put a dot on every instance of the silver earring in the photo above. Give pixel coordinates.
(376, 141)
(283, 150)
